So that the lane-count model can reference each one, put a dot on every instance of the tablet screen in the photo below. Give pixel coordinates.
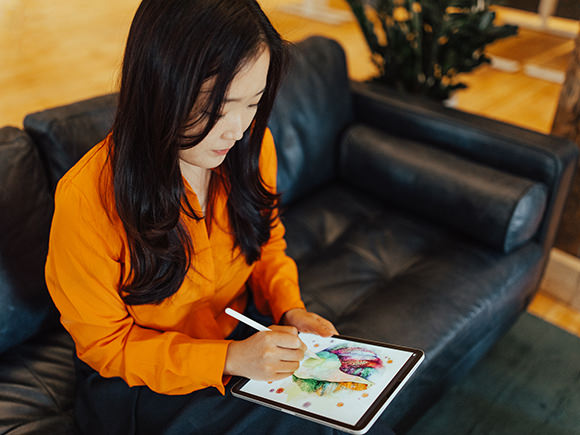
(351, 379)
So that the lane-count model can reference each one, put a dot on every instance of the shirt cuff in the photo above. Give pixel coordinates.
(287, 298)
(207, 364)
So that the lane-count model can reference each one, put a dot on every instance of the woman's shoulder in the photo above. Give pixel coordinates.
(89, 180)
(90, 166)
(85, 213)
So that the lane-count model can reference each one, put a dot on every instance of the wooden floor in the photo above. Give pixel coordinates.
(56, 52)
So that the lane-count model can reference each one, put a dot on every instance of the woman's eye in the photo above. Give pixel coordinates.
(253, 106)
(208, 114)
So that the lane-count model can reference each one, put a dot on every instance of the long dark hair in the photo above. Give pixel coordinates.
(173, 47)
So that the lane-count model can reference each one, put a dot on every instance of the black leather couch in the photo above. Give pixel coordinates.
(410, 223)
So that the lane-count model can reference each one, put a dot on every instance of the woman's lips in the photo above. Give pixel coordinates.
(222, 152)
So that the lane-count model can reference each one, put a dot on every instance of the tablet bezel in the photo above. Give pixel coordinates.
(374, 410)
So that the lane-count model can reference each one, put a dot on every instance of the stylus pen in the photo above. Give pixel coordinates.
(260, 327)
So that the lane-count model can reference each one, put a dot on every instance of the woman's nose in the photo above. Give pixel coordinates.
(234, 129)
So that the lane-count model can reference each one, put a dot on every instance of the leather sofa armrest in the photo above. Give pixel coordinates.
(496, 208)
(507, 148)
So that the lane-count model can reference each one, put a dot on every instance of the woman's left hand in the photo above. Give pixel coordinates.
(306, 321)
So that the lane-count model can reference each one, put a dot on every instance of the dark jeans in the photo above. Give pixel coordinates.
(109, 406)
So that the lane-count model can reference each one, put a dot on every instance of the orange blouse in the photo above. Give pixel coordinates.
(177, 346)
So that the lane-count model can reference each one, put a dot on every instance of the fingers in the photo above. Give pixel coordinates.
(287, 344)
(287, 367)
(281, 370)
(319, 325)
(266, 355)
(291, 355)
(284, 328)
(281, 355)
(277, 376)
(327, 328)
(306, 321)
(286, 337)
(285, 347)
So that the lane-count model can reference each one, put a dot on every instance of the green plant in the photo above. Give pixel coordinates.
(420, 46)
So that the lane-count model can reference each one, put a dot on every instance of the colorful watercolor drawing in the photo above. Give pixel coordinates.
(342, 385)
(340, 367)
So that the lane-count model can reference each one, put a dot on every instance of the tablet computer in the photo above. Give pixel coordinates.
(348, 387)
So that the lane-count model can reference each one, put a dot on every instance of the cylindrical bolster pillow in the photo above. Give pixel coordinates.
(497, 208)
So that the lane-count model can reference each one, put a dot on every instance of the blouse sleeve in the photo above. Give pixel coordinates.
(274, 279)
(83, 272)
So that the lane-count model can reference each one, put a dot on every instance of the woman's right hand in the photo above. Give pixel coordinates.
(266, 355)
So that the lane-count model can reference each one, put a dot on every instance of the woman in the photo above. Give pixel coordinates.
(171, 219)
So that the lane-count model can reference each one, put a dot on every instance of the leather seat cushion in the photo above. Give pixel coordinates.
(37, 382)
(357, 256)
(378, 273)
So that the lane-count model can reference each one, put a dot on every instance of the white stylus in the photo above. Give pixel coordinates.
(261, 327)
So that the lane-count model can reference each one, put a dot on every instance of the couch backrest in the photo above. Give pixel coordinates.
(311, 111)
(25, 215)
(64, 134)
